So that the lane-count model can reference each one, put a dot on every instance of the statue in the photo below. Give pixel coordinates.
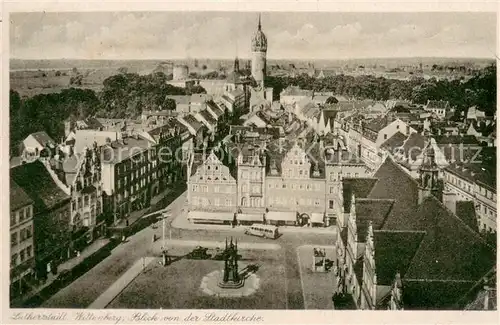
(231, 278)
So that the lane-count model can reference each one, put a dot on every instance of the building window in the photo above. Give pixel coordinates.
(21, 215)
(22, 255)
(330, 204)
(13, 239)
(13, 220)
(332, 189)
(29, 250)
(28, 232)
(13, 260)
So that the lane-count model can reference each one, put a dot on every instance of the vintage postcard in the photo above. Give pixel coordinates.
(249, 163)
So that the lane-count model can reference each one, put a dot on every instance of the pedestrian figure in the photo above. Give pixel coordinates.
(126, 222)
(77, 253)
(154, 238)
(123, 238)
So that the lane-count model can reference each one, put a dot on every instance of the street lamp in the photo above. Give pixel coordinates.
(163, 217)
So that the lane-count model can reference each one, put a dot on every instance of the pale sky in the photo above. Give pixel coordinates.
(297, 35)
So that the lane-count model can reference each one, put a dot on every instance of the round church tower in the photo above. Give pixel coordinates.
(259, 50)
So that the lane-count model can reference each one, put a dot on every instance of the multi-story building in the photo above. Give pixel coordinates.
(211, 190)
(476, 182)
(190, 103)
(283, 181)
(22, 252)
(80, 177)
(129, 168)
(235, 100)
(51, 214)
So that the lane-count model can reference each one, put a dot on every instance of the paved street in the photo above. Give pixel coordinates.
(86, 289)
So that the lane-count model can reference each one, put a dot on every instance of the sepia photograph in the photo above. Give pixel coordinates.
(251, 160)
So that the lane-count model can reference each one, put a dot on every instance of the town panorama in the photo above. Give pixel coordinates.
(251, 182)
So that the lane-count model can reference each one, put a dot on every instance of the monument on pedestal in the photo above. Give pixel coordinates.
(231, 278)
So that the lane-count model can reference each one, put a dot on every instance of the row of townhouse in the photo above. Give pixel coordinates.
(281, 181)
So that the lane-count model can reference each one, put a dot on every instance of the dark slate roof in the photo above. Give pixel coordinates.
(360, 186)
(394, 183)
(377, 124)
(394, 251)
(93, 123)
(414, 145)
(215, 108)
(18, 197)
(450, 249)
(396, 141)
(437, 295)
(456, 139)
(437, 104)
(368, 210)
(329, 115)
(209, 118)
(482, 171)
(36, 181)
(191, 120)
(43, 138)
(467, 213)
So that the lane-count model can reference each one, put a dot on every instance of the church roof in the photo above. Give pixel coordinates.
(394, 251)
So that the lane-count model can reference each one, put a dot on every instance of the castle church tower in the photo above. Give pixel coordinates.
(259, 50)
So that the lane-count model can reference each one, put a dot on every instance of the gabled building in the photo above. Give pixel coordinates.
(293, 94)
(401, 248)
(438, 107)
(31, 148)
(80, 177)
(51, 215)
(212, 194)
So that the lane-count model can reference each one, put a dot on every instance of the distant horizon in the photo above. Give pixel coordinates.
(269, 58)
(225, 35)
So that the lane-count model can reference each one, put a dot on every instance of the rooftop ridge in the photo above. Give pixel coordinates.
(477, 235)
(478, 283)
(400, 231)
(439, 280)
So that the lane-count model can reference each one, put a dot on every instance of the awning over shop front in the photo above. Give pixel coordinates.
(211, 215)
(249, 217)
(317, 217)
(281, 216)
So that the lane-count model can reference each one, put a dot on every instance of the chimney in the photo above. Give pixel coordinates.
(450, 201)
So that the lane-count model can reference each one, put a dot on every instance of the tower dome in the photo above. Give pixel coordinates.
(259, 40)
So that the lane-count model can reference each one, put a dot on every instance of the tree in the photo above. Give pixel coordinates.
(204, 67)
(58, 73)
(169, 104)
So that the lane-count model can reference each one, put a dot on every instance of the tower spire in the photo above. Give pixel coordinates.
(260, 26)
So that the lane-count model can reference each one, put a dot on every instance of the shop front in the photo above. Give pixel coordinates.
(211, 217)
